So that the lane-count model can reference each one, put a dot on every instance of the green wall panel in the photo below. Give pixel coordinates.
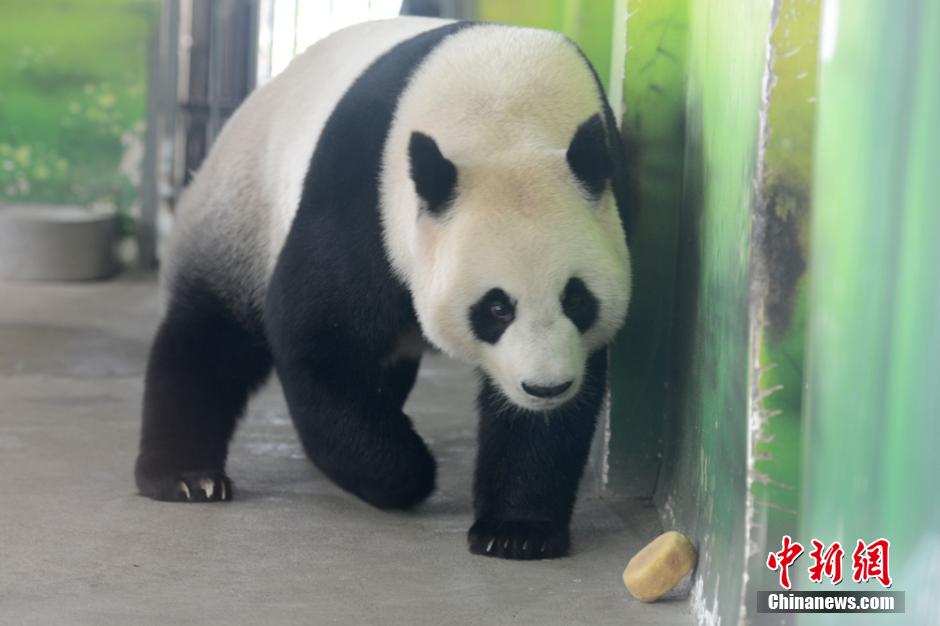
(779, 263)
(653, 125)
(873, 414)
(704, 480)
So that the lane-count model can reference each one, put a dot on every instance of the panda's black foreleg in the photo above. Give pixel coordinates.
(204, 364)
(353, 429)
(528, 469)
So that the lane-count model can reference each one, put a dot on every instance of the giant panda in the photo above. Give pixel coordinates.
(402, 183)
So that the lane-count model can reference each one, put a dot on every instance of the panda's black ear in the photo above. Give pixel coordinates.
(434, 176)
(588, 157)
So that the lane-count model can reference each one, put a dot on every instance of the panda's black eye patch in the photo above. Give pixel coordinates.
(491, 315)
(579, 304)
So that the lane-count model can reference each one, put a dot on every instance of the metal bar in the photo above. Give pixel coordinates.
(216, 33)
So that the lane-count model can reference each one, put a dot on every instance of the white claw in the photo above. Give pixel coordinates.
(489, 546)
(525, 545)
(208, 487)
(506, 545)
(185, 488)
(222, 489)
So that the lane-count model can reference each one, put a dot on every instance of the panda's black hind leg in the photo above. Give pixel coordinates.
(204, 364)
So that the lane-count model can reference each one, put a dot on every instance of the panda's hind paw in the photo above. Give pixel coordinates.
(518, 539)
(194, 486)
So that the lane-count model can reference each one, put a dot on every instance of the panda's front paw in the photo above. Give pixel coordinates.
(518, 539)
(195, 486)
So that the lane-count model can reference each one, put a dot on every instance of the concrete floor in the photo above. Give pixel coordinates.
(78, 546)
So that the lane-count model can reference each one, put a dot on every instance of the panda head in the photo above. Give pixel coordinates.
(520, 261)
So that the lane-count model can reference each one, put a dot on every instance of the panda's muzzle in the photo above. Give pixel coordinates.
(544, 392)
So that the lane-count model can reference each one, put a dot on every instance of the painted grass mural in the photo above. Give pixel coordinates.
(73, 79)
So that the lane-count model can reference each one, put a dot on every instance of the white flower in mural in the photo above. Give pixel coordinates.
(22, 155)
(132, 157)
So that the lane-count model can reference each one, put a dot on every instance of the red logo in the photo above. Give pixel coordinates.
(871, 561)
(828, 562)
(783, 559)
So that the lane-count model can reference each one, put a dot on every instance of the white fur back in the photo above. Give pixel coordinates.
(232, 220)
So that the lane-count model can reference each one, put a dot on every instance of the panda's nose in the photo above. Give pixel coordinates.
(546, 391)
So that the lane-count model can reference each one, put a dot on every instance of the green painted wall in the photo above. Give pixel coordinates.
(714, 343)
(720, 113)
(778, 301)
(73, 76)
(654, 93)
(588, 22)
(704, 481)
(873, 415)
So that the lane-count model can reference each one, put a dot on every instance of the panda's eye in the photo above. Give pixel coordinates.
(491, 315)
(501, 311)
(579, 304)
